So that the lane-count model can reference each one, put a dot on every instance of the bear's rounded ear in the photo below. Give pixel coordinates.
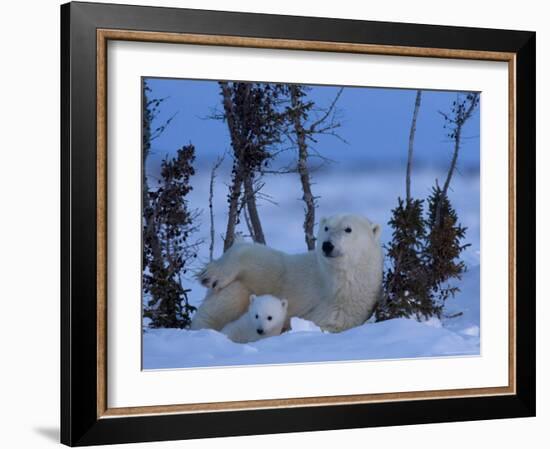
(284, 303)
(376, 230)
(252, 298)
(323, 220)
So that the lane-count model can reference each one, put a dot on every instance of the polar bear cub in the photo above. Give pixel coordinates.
(265, 317)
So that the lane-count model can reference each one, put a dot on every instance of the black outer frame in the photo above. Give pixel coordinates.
(79, 423)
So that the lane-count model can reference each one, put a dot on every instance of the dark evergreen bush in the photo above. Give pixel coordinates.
(168, 251)
(423, 257)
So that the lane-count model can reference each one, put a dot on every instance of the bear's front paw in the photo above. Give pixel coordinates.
(212, 277)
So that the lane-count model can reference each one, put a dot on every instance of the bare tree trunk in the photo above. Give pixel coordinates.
(258, 233)
(411, 143)
(412, 133)
(453, 160)
(305, 178)
(248, 185)
(457, 137)
(232, 216)
(235, 188)
(449, 173)
(242, 178)
(247, 220)
(211, 206)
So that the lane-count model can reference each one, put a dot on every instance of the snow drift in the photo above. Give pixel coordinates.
(306, 343)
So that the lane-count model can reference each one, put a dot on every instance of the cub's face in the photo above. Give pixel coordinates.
(346, 237)
(267, 313)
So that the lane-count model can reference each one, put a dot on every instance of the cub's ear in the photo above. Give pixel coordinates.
(323, 220)
(252, 298)
(284, 303)
(377, 231)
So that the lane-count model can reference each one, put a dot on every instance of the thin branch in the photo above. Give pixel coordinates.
(247, 221)
(411, 142)
(459, 121)
(250, 196)
(211, 205)
(328, 111)
(160, 129)
(237, 181)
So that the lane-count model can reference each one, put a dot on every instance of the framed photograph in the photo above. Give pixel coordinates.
(281, 224)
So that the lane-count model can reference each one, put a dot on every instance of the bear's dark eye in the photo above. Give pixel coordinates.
(269, 318)
(257, 316)
(348, 230)
(326, 228)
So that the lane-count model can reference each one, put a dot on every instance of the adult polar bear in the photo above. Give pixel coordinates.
(336, 285)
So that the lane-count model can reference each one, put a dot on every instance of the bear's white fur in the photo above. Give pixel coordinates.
(336, 290)
(265, 317)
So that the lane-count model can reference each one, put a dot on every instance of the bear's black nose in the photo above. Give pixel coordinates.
(327, 248)
(260, 331)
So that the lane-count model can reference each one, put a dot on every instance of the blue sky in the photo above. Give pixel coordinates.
(375, 123)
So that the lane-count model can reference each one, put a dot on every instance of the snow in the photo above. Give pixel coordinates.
(379, 186)
(466, 303)
(301, 325)
(306, 343)
(282, 222)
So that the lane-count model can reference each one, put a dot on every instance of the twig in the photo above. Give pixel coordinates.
(211, 205)
(411, 142)
(454, 315)
(328, 111)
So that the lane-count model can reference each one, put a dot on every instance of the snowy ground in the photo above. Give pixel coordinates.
(172, 348)
(392, 339)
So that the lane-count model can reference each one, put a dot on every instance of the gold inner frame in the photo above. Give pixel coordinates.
(104, 35)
